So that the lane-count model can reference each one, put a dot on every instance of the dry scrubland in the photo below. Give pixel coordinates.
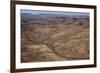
(54, 38)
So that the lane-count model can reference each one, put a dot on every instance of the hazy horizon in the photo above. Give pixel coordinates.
(36, 12)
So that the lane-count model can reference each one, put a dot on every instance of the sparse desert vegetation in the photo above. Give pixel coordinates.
(54, 37)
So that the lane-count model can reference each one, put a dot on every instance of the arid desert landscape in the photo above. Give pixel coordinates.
(54, 36)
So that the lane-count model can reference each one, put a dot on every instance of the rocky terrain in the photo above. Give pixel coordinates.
(54, 37)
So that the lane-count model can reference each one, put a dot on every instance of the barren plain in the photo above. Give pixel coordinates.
(54, 37)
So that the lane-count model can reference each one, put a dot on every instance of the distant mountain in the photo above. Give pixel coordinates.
(26, 14)
(28, 17)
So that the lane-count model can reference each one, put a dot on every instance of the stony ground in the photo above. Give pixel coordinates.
(55, 41)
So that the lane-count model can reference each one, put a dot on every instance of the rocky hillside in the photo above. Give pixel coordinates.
(54, 38)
